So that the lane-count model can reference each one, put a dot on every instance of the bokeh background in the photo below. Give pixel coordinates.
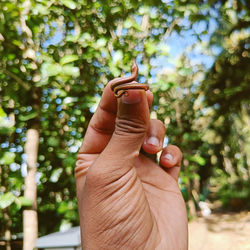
(56, 56)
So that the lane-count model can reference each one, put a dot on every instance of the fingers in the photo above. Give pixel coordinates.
(171, 160)
(84, 161)
(154, 137)
(131, 125)
(150, 97)
(171, 156)
(102, 124)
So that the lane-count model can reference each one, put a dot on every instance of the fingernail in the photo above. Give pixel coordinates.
(168, 157)
(131, 97)
(153, 141)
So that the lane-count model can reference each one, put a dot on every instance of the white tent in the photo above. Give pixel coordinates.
(67, 240)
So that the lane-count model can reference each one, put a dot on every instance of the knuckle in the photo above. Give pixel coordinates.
(83, 163)
(158, 124)
(130, 126)
(161, 125)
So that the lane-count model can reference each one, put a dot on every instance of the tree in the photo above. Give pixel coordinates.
(55, 60)
(42, 70)
(225, 89)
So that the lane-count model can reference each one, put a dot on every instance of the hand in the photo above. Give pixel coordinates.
(125, 200)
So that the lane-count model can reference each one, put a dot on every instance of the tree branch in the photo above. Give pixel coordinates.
(171, 27)
(18, 80)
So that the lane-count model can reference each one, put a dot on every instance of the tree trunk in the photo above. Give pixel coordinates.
(6, 212)
(30, 221)
(7, 233)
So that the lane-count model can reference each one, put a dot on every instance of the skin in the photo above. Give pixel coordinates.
(125, 200)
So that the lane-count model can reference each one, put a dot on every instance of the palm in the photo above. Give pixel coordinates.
(157, 212)
(125, 200)
(166, 204)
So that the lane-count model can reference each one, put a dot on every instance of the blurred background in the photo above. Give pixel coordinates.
(56, 56)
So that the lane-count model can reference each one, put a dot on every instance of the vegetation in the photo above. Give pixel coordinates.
(57, 56)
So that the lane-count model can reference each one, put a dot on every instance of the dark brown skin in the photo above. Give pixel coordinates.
(122, 84)
(125, 200)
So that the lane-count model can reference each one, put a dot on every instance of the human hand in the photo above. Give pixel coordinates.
(125, 200)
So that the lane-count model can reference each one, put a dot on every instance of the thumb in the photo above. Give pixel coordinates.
(130, 129)
(131, 123)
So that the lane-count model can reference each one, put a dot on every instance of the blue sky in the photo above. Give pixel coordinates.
(177, 43)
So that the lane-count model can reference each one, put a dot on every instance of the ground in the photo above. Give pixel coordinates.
(220, 231)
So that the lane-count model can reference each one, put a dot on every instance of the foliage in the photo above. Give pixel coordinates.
(56, 57)
(232, 192)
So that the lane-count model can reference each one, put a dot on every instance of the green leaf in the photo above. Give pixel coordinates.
(63, 207)
(185, 71)
(198, 159)
(56, 175)
(144, 10)
(5, 124)
(6, 200)
(85, 37)
(5, 129)
(50, 69)
(40, 9)
(11, 56)
(150, 48)
(68, 59)
(28, 116)
(164, 86)
(17, 43)
(115, 9)
(69, 3)
(2, 113)
(7, 158)
(101, 42)
(71, 70)
(24, 201)
(53, 142)
(127, 24)
(72, 38)
(69, 161)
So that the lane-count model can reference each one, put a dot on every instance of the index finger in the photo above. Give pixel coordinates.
(101, 125)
